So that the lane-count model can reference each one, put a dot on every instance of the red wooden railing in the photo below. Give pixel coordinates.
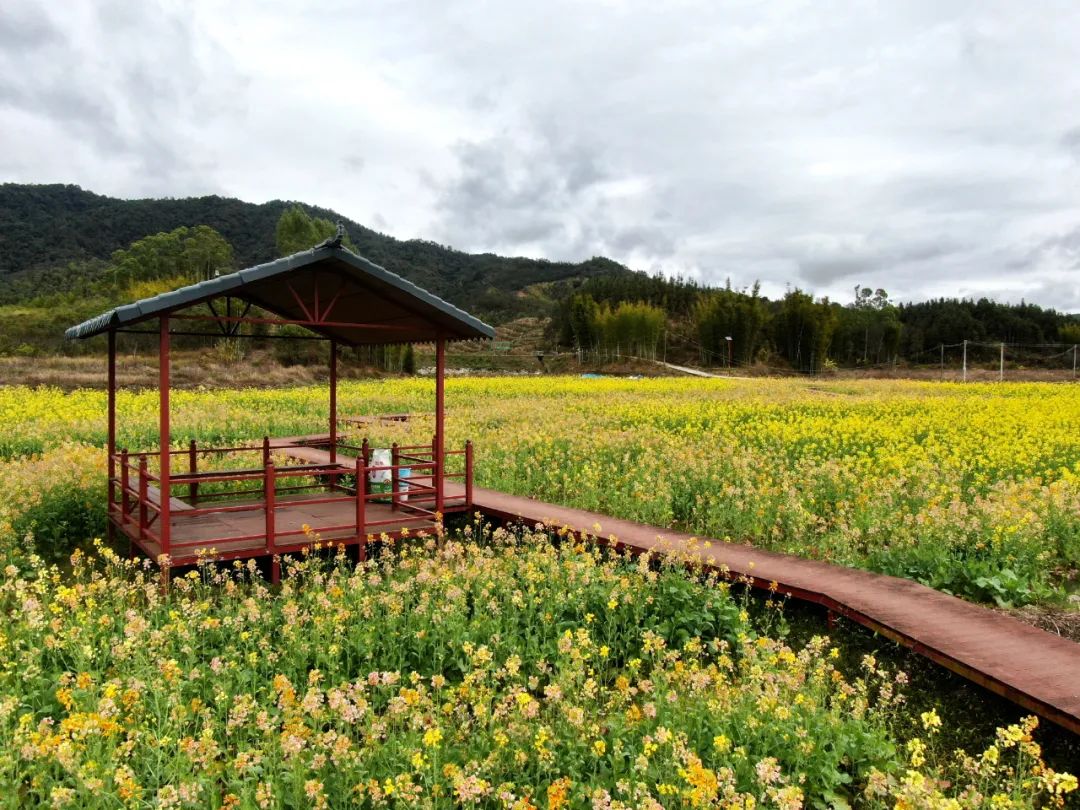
(135, 508)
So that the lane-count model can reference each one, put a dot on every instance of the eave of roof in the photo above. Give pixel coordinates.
(193, 294)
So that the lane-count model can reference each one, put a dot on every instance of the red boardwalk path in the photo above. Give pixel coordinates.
(1033, 668)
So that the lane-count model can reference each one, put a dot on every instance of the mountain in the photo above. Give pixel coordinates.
(44, 227)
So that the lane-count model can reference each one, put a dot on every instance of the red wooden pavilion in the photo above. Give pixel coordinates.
(272, 497)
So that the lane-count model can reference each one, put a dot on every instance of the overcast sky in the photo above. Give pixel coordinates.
(932, 148)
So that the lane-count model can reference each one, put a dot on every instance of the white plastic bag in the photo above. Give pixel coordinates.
(379, 458)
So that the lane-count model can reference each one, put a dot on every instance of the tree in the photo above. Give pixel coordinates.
(729, 314)
(868, 330)
(584, 315)
(630, 328)
(803, 329)
(183, 254)
(1069, 332)
(297, 230)
(206, 253)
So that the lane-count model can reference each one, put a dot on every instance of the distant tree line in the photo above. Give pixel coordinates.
(739, 327)
(928, 324)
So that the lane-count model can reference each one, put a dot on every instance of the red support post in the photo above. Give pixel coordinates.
(468, 474)
(193, 467)
(163, 430)
(266, 450)
(332, 480)
(111, 440)
(440, 420)
(333, 401)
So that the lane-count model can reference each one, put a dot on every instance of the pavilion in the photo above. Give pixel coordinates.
(174, 509)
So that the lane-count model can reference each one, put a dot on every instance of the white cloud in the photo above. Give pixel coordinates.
(927, 147)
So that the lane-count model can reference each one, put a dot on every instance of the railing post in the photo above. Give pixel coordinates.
(365, 454)
(193, 467)
(468, 474)
(269, 493)
(125, 481)
(266, 450)
(361, 504)
(394, 477)
(269, 504)
(437, 474)
(143, 496)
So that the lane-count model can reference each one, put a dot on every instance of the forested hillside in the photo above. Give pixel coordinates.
(48, 233)
(67, 254)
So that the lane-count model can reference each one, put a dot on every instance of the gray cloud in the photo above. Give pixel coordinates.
(118, 84)
(930, 147)
(1071, 142)
(544, 193)
(21, 30)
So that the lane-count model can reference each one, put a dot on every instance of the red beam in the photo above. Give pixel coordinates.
(333, 301)
(299, 301)
(290, 322)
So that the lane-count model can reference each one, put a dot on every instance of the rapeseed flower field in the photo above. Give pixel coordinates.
(972, 489)
(482, 670)
(490, 669)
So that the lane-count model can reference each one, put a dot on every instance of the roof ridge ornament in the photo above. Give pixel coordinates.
(336, 242)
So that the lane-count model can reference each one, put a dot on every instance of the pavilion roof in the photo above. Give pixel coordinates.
(331, 290)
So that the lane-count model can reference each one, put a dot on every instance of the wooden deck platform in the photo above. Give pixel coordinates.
(192, 534)
(1033, 668)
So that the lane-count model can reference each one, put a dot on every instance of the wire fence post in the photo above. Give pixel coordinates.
(965, 359)
(943, 361)
(1001, 364)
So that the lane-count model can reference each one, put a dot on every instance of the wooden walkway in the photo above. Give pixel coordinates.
(1028, 666)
